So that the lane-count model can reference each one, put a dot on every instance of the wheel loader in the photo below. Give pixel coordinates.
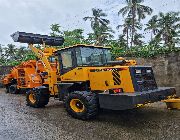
(86, 79)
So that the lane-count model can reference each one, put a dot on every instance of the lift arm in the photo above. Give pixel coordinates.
(52, 75)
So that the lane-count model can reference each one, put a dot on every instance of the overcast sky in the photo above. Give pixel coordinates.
(36, 16)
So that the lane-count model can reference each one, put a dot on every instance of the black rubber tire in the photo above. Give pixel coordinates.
(1, 85)
(13, 89)
(7, 89)
(89, 100)
(41, 98)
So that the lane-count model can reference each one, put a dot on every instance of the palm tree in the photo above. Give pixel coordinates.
(105, 33)
(102, 37)
(138, 39)
(99, 24)
(152, 26)
(168, 26)
(126, 29)
(97, 18)
(10, 51)
(122, 42)
(135, 10)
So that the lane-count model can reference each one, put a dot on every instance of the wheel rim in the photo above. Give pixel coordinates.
(77, 105)
(32, 98)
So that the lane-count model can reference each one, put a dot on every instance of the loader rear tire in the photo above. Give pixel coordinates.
(36, 98)
(81, 105)
(13, 89)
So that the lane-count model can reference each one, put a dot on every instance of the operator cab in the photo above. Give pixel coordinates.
(82, 56)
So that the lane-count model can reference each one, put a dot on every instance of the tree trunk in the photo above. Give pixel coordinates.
(151, 35)
(133, 25)
(127, 33)
(132, 34)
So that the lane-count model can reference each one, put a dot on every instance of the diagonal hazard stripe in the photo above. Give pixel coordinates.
(116, 82)
(116, 79)
(116, 73)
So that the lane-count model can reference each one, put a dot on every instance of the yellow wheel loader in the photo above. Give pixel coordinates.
(87, 79)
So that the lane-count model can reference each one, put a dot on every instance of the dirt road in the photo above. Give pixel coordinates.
(20, 122)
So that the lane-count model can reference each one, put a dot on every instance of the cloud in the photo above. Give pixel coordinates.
(36, 16)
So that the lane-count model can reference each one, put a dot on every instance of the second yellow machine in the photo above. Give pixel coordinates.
(87, 79)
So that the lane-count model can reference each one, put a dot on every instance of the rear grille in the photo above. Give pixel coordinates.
(143, 78)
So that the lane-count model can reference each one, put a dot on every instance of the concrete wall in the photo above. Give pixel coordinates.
(4, 70)
(166, 69)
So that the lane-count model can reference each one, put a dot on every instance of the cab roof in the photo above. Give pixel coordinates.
(83, 45)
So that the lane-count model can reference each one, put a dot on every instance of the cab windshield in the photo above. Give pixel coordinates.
(89, 56)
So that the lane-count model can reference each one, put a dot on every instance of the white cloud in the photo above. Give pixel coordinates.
(36, 16)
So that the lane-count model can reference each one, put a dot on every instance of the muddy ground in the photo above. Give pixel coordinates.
(20, 122)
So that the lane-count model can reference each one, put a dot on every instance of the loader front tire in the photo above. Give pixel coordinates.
(13, 89)
(37, 99)
(7, 89)
(81, 105)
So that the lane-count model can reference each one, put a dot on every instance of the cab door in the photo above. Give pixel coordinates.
(67, 60)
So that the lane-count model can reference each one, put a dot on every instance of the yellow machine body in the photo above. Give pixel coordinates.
(102, 79)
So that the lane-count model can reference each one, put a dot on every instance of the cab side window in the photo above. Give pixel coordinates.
(67, 59)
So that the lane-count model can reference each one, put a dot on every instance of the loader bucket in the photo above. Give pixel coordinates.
(173, 103)
(31, 38)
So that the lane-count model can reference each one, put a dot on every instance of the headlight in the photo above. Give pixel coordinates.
(138, 71)
(148, 71)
